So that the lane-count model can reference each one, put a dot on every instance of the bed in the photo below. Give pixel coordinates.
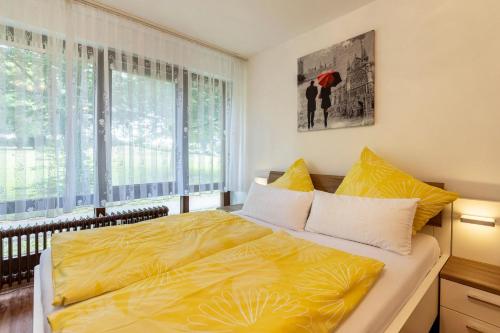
(403, 299)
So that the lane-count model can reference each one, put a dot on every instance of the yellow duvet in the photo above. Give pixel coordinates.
(89, 263)
(277, 283)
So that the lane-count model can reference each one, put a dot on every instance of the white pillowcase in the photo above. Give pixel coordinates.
(281, 207)
(384, 223)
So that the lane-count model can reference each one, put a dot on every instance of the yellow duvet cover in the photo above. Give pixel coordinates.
(89, 263)
(277, 283)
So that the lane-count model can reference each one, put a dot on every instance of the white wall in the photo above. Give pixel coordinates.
(437, 109)
(472, 241)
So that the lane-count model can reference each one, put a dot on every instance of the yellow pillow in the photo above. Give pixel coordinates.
(373, 177)
(296, 178)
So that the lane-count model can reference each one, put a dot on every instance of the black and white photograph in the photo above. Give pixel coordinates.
(336, 85)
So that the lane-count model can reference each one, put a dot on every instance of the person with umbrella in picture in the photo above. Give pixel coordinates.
(327, 80)
(311, 94)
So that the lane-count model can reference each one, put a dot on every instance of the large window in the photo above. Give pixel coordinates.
(128, 130)
(206, 137)
(28, 143)
(143, 136)
(161, 149)
(35, 129)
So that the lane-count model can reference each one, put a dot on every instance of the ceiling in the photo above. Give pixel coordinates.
(243, 27)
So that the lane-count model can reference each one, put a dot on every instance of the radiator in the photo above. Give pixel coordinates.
(20, 247)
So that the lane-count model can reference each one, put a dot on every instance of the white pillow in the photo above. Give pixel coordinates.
(281, 207)
(384, 223)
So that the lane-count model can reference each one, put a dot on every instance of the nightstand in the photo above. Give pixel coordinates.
(231, 208)
(469, 297)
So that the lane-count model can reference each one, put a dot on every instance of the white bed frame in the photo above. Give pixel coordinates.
(416, 316)
(419, 313)
(38, 320)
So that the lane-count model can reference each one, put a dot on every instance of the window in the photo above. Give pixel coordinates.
(28, 143)
(35, 128)
(143, 136)
(128, 130)
(205, 133)
(159, 149)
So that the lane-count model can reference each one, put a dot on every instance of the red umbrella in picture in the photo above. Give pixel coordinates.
(329, 78)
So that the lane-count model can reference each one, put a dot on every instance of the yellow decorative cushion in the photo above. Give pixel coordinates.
(296, 178)
(373, 177)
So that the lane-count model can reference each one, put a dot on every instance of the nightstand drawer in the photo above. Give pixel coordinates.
(454, 322)
(471, 301)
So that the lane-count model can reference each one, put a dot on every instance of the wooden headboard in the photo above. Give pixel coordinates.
(329, 183)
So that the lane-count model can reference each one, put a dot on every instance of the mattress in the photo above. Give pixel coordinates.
(400, 278)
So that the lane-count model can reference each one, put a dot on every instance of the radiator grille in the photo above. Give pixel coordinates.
(20, 247)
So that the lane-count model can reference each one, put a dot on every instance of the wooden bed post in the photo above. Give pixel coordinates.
(184, 203)
(225, 198)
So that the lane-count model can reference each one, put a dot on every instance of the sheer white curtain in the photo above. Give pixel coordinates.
(42, 125)
(208, 72)
(204, 98)
(141, 114)
(143, 133)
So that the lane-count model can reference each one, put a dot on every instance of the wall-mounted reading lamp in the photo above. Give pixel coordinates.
(487, 221)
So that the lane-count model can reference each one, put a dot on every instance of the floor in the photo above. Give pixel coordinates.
(16, 310)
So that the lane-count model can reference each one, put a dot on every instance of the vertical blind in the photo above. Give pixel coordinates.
(87, 120)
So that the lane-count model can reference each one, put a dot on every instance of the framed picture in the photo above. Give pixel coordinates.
(336, 85)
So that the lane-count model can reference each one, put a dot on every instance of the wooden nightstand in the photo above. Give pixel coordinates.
(469, 297)
(231, 208)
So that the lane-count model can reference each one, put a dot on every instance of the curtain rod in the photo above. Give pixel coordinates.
(153, 25)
